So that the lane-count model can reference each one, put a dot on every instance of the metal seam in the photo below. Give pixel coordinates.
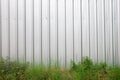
(9, 30)
(97, 29)
(81, 34)
(25, 27)
(73, 32)
(41, 33)
(33, 36)
(89, 26)
(17, 33)
(104, 33)
(0, 32)
(65, 38)
(49, 36)
(57, 35)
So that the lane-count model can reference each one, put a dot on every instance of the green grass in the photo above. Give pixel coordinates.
(85, 70)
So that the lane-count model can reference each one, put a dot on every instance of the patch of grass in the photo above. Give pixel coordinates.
(12, 70)
(85, 70)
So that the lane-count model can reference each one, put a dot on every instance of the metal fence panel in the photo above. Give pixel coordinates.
(58, 31)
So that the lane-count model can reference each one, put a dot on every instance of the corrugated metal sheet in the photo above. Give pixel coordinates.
(51, 31)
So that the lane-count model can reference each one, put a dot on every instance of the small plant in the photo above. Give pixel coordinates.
(85, 70)
(114, 73)
(36, 73)
(12, 70)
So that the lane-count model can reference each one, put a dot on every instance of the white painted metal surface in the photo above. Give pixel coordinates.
(58, 31)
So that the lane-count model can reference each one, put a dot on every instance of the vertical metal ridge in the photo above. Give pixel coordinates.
(89, 27)
(81, 31)
(0, 32)
(73, 33)
(113, 54)
(65, 38)
(9, 30)
(117, 32)
(97, 29)
(116, 42)
(118, 28)
(57, 35)
(25, 27)
(17, 33)
(41, 34)
(49, 36)
(116, 35)
(33, 36)
(104, 32)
